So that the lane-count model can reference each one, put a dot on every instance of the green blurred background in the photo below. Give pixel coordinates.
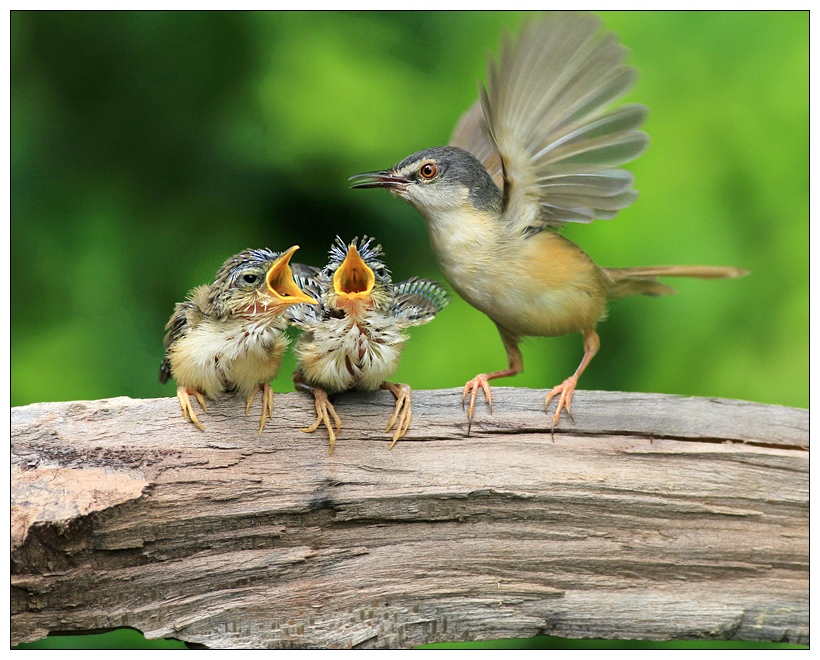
(148, 147)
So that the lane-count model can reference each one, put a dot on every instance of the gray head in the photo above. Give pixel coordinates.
(437, 180)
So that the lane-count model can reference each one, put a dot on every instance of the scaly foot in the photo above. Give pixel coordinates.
(185, 403)
(403, 411)
(565, 390)
(267, 404)
(471, 388)
(324, 411)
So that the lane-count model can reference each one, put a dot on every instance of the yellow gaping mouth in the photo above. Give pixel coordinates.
(354, 279)
(280, 281)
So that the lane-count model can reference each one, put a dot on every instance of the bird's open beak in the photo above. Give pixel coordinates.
(354, 279)
(382, 179)
(281, 284)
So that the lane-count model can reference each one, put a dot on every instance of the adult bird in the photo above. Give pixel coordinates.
(354, 338)
(541, 147)
(229, 336)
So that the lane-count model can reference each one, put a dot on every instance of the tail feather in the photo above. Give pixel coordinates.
(643, 281)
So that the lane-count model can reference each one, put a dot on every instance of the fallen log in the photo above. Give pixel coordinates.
(650, 517)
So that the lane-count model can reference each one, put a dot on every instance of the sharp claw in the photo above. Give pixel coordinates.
(312, 427)
(471, 388)
(187, 409)
(402, 413)
(471, 409)
(394, 417)
(267, 406)
(195, 420)
(566, 390)
(324, 411)
(330, 434)
(201, 400)
(338, 426)
(402, 425)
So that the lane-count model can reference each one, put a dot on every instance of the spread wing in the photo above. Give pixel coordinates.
(471, 134)
(416, 301)
(545, 117)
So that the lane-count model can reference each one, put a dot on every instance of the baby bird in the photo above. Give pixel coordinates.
(229, 336)
(540, 148)
(353, 339)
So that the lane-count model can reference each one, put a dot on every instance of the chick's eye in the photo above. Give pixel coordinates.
(427, 171)
(250, 278)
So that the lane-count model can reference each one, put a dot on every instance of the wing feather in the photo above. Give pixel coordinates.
(543, 128)
(416, 301)
(307, 279)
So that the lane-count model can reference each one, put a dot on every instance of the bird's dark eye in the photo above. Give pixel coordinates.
(250, 278)
(428, 171)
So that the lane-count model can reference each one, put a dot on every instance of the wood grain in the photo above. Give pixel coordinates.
(651, 517)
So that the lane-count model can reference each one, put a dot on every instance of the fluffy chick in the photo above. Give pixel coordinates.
(229, 336)
(353, 339)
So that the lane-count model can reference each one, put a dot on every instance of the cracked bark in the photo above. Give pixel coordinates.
(651, 517)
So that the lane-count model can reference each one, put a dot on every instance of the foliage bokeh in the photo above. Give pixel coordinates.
(147, 147)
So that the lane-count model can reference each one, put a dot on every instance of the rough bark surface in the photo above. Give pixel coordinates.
(650, 517)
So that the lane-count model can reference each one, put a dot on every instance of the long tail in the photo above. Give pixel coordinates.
(643, 281)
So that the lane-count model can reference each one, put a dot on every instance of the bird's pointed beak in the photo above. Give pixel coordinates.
(354, 279)
(381, 179)
(280, 281)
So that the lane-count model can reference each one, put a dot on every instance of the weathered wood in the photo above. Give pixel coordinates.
(651, 517)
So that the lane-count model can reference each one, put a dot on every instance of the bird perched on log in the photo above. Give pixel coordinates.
(540, 148)
(229, 336)
(354, 338)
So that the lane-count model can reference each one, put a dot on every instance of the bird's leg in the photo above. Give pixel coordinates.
(267, 403)
(480, 382)
(185, 403)
(402, 412)
(566, 389)
(324, 409)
